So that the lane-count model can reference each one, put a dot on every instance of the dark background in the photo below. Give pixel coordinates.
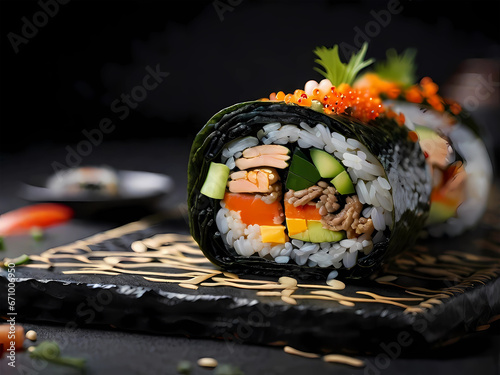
(64, 79)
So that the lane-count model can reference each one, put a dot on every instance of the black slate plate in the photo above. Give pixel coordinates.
(456, 279)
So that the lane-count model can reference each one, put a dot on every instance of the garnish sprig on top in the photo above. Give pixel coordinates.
(334, 94)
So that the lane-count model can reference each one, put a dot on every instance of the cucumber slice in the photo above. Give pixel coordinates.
(304, 236)
(216, 181)
(326, 164)
(426, 133)
(319, 234)
(343, 183)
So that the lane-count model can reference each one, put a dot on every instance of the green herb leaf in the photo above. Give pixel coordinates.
(49, 351)
(36, 233)
(227, 369)
(398, 68)
(184, 367)
(22, 259)
(337, 71)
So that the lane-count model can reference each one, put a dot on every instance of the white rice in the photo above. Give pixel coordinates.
(372, 188)
(332, 275)
(282, 259)
(236, 146)
(231, 163)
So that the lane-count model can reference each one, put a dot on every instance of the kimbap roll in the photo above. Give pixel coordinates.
(327, 178)
(450, 140)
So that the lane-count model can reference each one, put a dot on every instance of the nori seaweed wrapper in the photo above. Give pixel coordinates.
(401, 158)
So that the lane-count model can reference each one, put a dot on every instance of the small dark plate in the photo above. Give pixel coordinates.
(136, 188)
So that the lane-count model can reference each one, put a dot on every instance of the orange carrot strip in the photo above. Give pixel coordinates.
(253, 210)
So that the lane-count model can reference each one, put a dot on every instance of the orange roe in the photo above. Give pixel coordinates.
(413, 95)
(453, 106)
(398, 117)
(344, 99)
(413, 136)
(427, 90)
(378, 86)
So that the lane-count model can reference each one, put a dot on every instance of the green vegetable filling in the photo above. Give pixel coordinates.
(215, 183)
(343, 183)
(327, 165)
(302, 173)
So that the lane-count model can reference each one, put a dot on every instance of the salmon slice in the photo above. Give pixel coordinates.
(275, 161)
(255, 151)
(245, 186)
(238, 175)
(253, 181)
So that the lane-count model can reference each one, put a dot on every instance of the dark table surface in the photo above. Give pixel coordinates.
(118, 352)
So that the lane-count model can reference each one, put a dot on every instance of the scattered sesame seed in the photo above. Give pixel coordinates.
(31, 335)
(207, 362)
(290, 350)
(339, 358)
